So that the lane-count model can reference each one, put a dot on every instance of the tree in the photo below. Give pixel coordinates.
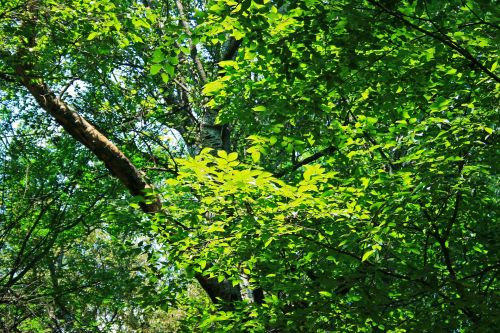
(314, 165)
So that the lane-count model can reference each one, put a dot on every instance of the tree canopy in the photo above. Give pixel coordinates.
(249, 166)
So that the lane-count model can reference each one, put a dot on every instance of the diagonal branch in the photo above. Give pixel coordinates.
(307, 160)
(84, 132)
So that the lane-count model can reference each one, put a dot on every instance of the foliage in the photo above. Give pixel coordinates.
(331, 161)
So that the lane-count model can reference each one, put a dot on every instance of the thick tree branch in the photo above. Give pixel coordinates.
(79, 128)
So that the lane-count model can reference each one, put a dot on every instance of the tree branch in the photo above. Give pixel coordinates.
(192, 47)
(307, 160)
(84, 132)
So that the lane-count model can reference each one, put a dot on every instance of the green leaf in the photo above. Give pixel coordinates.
(212, 87)
(237, 34)
(158, 56)
(494, 66)
(259, 108)
(92, 35)
(367, 255)
(228, 63)
(155, 69)
(222, 154)
(165, 78)
(266, 244)
(169, 69)
(452, 71)
(256, 156)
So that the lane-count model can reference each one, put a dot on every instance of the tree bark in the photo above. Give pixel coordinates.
(84, 132)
